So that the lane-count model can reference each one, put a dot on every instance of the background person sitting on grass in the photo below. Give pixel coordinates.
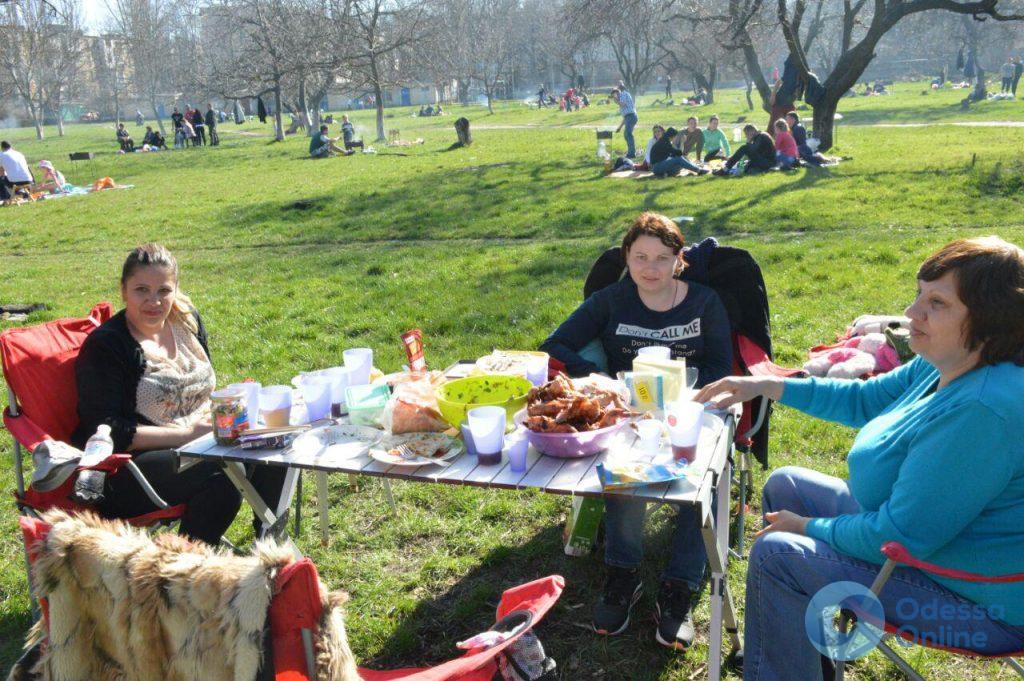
(715, 143)
(322, 146)
(53, 180)
(124, 139)
(759, 151)
(691, 140)
(799, 132)
(656, 132)
(648, 307)
(667, 159)
(16, 175)
(786, 154)
(937, 465)
(154, 139)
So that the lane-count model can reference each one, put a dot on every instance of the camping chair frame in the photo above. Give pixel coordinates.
(896, 554)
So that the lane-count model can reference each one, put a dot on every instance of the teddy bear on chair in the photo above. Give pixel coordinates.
(857, 357)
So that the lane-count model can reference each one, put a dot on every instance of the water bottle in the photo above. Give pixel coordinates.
(89, 485)
(602, 151)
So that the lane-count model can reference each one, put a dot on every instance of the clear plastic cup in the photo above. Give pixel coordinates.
(649, 432)
(276, 405)
(684, 421)
(340, 378)
(467, 438)
(360, 361)
(517, 445)
(316, 393)
(537, 369)
(252, 399)
(488, 427)
(655, 352)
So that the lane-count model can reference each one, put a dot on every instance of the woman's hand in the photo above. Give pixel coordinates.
(728, 391)
(784, 521)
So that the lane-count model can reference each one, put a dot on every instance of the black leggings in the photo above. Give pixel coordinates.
(211, 498)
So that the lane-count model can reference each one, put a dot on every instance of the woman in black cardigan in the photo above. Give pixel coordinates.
(146, 373)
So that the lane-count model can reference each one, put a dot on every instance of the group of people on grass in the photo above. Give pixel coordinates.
(192, 127)
(17, 180)
(950, 415)
(430, 110)
(322, 145)
(1010, 73)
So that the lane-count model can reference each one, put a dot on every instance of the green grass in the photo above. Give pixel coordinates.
(292, 260)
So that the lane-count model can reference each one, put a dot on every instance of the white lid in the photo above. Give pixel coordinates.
(103, 429)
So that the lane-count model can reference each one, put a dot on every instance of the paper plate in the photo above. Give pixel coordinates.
(424, 441)
(336, 442)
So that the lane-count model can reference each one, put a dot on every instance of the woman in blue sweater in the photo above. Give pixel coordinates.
(651, 306)
(938, 465)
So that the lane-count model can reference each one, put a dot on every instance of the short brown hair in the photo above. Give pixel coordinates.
(656, 225)
(990, 282)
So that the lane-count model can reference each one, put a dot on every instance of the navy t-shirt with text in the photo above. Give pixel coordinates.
(697, 329)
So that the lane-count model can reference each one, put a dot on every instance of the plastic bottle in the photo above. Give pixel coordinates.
(89, 485)
(602, 151)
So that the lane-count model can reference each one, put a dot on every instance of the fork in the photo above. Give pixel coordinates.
(406, 453)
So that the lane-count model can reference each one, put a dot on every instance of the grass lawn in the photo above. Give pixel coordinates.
(292, 260)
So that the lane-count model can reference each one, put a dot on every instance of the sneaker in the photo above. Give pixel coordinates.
(675, 623)
(621, 593)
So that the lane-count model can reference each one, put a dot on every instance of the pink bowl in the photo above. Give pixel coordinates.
(571, 445)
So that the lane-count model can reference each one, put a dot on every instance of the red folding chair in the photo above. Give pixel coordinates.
(296, 609)
(896, 554)
(39, 367)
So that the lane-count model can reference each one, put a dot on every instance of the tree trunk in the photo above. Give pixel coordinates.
(37, 120)
(487, 91)
(278, 123)
(378, 95)
(756, 76)
(60, 119)
(463, 84)
(825, 120)
(156, 115)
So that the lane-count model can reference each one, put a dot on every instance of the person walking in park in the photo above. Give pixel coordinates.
(541, 94)
(211, 125)
(1018, 69)
(629, 119)
(668, 87)
(200, 128)
(1006, 73)
(176, 119)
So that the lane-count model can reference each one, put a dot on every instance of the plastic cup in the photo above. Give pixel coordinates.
(252, 399)
(316, 393)
(537, 369)
(488, 427)
(655, 352)
(360, 361)
(684, 421)
(517, 445)
(649, 432)
(276, 405)
(467, 438)
(339, 377)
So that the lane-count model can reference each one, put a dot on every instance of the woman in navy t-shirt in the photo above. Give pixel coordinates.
(651, 306)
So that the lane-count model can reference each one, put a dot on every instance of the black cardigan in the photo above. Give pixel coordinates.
(107, 372)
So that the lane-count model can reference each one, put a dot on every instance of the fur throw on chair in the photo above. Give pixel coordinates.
(127, 607)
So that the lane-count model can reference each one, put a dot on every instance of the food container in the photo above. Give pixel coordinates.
(230, 416)
(457, 397)
(571, 445)
(366, 403)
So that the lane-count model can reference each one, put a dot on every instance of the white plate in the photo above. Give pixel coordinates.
(336, 442)
(380, 450)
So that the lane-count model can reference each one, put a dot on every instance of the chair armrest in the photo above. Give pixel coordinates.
(29, 435)
(898, 553)
(758, 363)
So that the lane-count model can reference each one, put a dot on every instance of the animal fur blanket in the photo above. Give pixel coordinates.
(127, 607)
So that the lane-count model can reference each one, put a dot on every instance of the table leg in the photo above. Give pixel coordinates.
(715, 532)
(236, 473)
(321, 503)
(390, 496)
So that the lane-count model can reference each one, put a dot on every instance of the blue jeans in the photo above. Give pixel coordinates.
(786, 570)
(624, 540)
(627, 133)
(672, 166)
(785, 162)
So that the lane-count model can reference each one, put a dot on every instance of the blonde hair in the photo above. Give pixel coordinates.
(155, 255)
(782, 125)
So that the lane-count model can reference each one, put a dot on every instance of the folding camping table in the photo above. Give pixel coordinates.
(711, 472)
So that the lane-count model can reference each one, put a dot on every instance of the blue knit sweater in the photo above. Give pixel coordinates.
(940, 471)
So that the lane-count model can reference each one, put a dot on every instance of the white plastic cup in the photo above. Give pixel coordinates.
(275, 405)
(316, 393)
(649, 431)
(488, 427)
(537, 369)
(684, 421)
(655, 352)
(517, 446)
(340, 377)
(252, 399)
(360, 361)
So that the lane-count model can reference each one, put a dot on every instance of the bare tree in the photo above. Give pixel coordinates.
(863, 26)
(692, 42)
(631, 28)
(65, 51)
(381, 31)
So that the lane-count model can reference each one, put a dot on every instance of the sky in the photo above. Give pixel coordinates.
(93, 14)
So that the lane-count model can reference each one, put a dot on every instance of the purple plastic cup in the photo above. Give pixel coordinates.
(467, 438)
(517, 448)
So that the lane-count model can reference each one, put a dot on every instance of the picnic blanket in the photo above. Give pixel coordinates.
(71, 190)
